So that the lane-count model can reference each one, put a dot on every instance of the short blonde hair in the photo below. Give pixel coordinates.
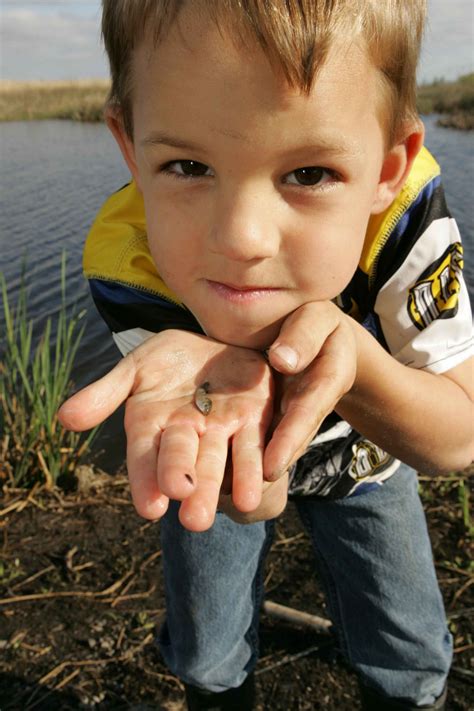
(296, 36)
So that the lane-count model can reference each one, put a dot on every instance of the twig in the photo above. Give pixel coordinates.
(464, 648)
(39, 651)
(132, 580)
(463, 672)
(94, 662)
(22, 502)
(453, 569)
(33, 577)
(459, 592)
(463, 612)
(290, 539)
(15, 505)
(296, 617)
(165, 677)
(49, 479)
(441, 478)
(67, 593)
(291, 658)
(133, 596)
(66, 681)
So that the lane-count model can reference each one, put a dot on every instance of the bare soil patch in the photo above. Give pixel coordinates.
(81, 597)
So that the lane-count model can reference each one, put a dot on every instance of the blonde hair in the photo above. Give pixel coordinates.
(296, 36)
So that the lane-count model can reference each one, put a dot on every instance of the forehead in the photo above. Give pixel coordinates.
(200, 74)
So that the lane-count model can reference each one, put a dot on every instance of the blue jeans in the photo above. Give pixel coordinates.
(374, 558)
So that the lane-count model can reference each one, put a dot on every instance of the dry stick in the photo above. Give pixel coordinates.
(33, 577)
(290, 539)
(15, 505)
(133, 596)
(460, 592)
(67, 593)
(20, 503)
(93, 662)
(462, 672)
(290, 658)
(87, 593)
(123, 594)
(453, 569)
(67, 679)
(296, 617)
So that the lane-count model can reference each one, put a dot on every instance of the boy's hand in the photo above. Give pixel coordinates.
(316, 351)
(173, 450)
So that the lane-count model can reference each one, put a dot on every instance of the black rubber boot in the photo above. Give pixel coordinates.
(240, 699)
(373, 701)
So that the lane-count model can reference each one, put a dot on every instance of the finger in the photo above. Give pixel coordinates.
(92, 405)
(177, 455)
(302, 336)
(197, 512)
(321, 387)
(247, 458)
(142, 453)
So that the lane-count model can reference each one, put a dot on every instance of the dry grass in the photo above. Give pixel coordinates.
(76, 100)
(83, 100)
(453, 99)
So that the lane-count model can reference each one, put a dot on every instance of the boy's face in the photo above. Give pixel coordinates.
(257, 197)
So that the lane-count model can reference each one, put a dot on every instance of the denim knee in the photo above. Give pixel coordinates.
(375, 560)
(214, 588)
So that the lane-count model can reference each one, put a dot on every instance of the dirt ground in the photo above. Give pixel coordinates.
(81, 596)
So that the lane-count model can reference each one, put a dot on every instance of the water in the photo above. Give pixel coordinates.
(54, 177)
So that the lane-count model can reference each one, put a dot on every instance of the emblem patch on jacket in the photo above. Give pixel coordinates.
(435, 294)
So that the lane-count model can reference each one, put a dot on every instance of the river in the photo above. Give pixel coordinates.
(54, 177)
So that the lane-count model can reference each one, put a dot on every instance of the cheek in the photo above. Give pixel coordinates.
(325, 263)
(169, 243)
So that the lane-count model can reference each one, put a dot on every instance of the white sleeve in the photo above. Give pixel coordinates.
(127, 341)
(424, 308)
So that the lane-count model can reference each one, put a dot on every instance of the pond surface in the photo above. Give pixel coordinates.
(56, 174)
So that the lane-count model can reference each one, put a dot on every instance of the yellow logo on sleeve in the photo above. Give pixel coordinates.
(435, 294)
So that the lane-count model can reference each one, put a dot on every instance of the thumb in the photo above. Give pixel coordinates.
(302, 336)
(92, 405)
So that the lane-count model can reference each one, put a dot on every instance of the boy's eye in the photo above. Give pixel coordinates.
(187, 168)
(309, 176)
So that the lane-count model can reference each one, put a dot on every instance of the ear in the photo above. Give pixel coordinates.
(397, 165)
(114, 120)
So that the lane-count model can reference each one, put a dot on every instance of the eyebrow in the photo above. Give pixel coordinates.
(159, 138)
(338, 146)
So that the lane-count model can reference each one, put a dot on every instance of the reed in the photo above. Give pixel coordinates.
(75, 100)
(34, 447)
(463, 494)
(83, 100)
(453, 99)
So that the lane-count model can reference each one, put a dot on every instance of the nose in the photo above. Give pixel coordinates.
(244, 227)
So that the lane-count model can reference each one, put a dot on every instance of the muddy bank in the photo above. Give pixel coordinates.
(81, 597)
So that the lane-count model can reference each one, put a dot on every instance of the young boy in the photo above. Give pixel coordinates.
(277, 153)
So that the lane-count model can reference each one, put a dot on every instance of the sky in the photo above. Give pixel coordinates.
(60, 39)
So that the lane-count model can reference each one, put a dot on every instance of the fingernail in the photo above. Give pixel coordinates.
(277, 473)
(287, 355)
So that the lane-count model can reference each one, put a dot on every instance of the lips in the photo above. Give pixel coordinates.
(240, 293)
(242, 287)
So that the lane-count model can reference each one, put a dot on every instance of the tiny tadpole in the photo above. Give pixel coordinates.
(201, 400)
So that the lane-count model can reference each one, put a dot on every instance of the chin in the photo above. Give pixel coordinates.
(246, 337)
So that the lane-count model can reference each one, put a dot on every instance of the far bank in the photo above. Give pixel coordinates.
(84, 100)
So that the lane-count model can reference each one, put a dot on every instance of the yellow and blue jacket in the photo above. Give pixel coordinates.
(407, 291)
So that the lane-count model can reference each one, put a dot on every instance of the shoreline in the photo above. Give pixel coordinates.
(84, 100)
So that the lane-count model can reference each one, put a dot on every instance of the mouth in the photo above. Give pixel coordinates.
(241, 293)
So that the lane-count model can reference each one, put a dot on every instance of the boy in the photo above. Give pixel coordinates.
(277, 152)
